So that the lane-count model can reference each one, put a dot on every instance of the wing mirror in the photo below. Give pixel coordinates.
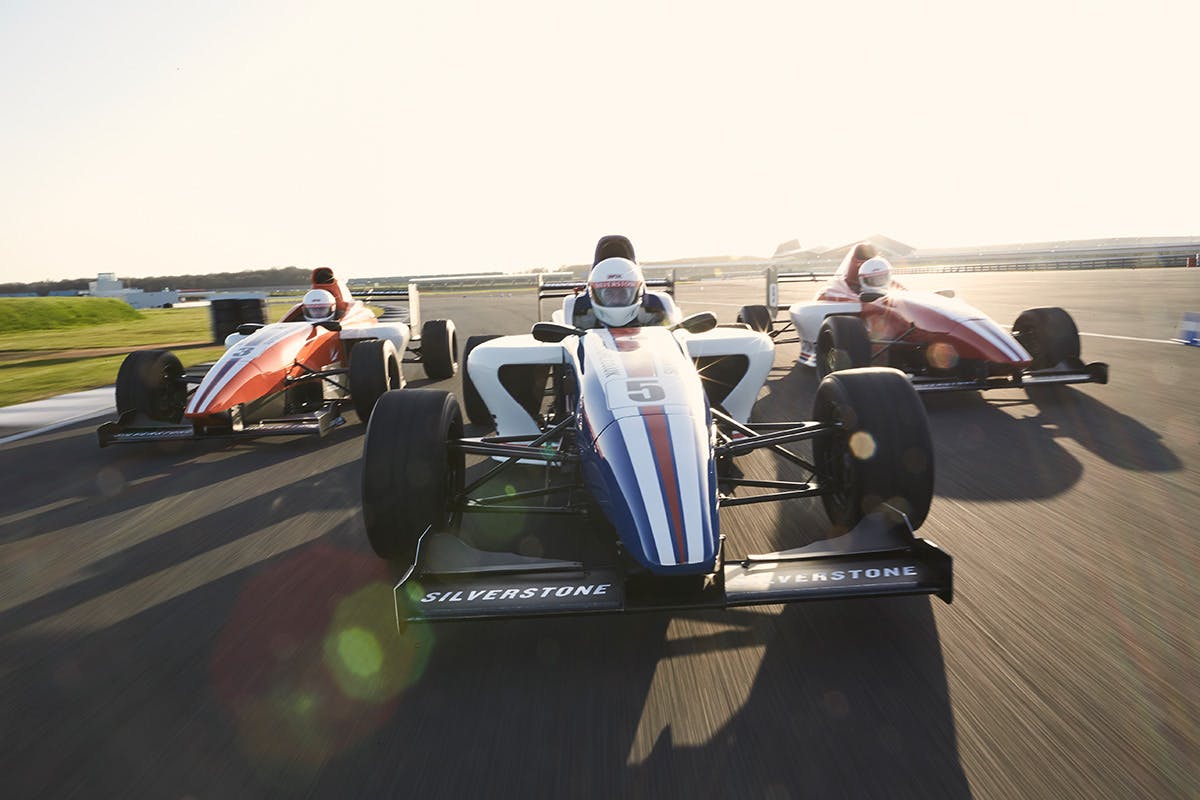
(553, 332)
(331, 325)
(247, 328)
(945, 292)
(697, 323)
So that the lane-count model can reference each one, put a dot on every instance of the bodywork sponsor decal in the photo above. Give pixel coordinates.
(450, 597)
(526, 593)
(798, 578)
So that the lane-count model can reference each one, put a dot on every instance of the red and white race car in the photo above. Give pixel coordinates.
(286, 378)
(862, 318)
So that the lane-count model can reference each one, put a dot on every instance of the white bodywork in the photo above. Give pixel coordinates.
(512, 419)
(395, 332)
(807, 319)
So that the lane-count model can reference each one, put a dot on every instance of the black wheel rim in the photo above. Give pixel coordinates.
(838, 467)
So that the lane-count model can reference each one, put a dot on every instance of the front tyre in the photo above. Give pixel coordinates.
(757, 318)
(439, 348)
(477, 410)
(882, 458)
(411, 475)
(842, 343)
(1049, 336)
(151, 383)
(374, 369)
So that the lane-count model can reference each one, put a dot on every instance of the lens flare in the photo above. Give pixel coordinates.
(862, 445)
(942, 355)
(310, 661)
(360, 652)
(368, 658)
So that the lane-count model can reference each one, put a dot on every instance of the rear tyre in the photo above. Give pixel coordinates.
(757, 318)
(842, 343)
(439, 346)
(151, 382)
(374, 369)
(1049, 335)
(477, 410)
(882, 459)
(410, 474)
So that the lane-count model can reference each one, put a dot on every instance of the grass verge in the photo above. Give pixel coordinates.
(47, 313)
(36, 364)
(38, 379)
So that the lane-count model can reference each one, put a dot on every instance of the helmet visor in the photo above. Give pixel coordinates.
(877, 280)
(615, 294)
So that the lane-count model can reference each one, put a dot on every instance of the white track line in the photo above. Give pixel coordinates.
(1131, 338)
(55, 426)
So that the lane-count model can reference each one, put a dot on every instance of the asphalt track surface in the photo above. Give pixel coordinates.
(208, 621)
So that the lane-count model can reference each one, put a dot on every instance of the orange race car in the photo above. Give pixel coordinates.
(290, 377)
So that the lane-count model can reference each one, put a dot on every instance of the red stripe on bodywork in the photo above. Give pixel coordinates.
(660, 445)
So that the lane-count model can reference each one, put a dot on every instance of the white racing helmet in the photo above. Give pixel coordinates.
(875, 273)
(318, 305)
(616, 286)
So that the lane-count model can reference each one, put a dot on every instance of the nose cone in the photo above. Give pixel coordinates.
(660, 490)
(985, 340)
(227, 384)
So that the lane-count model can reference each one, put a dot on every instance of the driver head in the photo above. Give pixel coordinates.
(875, 273)
(318, 305)
(616, 287)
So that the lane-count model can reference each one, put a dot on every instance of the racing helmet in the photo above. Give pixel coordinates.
(318, 305)
(616, 287)
(875, 273)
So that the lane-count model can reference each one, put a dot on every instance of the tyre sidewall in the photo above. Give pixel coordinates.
(884, 454)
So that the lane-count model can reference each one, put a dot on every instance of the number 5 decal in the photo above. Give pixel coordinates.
(645, 390)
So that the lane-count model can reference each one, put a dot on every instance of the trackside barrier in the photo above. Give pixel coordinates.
(410, 295)
(775, 277)
(1189, 329)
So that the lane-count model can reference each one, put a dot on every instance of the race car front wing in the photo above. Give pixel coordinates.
(452, 581)
(1072, 371)
(130, 428)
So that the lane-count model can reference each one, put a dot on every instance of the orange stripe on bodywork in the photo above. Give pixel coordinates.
(657, 427)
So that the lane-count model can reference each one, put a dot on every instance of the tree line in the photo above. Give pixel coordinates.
(254, 278)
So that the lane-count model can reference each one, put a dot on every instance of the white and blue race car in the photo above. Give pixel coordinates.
(634, 434)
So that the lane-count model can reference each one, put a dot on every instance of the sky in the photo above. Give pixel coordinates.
(388, 138)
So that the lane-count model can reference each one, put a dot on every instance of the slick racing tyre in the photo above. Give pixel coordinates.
(374, 369)
(151, 383)
(842, 343)
(882, 459)
(477, 410)
(1049, 335)
(757, 318)
(439, 349)
(410, 474)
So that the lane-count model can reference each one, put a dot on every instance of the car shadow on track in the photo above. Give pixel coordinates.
(837, 698)
(1004, 444)
(147, 514)
(1009, 445)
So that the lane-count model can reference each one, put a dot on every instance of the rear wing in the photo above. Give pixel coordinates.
(775, 277)
(559, 289)
(410, 294)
